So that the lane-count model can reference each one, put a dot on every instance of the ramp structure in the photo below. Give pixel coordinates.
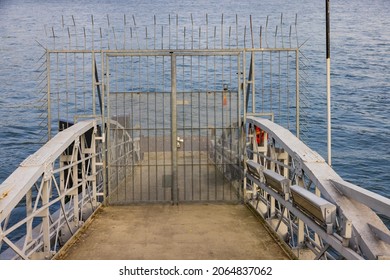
(179, 111)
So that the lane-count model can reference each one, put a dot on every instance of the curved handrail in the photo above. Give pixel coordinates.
(57, 187)
(307, 167)
(15, 187)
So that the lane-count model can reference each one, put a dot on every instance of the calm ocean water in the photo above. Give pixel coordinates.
(360, 74)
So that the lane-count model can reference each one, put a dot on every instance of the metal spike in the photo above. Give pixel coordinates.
(276, 34)
(266, 31)
(222, 22)
(261, 36)
(281, 28)
(40, 45)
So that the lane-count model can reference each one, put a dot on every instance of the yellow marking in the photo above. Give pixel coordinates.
(4, 195)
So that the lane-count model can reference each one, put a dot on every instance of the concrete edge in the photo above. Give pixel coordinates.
(64, 249)
(272, 233)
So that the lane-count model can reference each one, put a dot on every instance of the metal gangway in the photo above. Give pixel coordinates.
(180, 112)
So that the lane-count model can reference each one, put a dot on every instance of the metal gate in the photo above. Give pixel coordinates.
(173, 126)
(168, 99)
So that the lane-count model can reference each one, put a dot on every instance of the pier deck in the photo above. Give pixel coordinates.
(163, 231)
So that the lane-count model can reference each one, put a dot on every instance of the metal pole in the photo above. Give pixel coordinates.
(97, 85)
(105, 130)
(48, 96)
(328, 83)
(298, 119)
(244, 83)
(174, 130)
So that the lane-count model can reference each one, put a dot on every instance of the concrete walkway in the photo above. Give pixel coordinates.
(187, 231)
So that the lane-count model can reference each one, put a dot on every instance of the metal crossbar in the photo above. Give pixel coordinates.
(297, 192)
(57, 188)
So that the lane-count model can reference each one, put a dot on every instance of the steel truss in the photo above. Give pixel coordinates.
(317, 213)
(57, 188)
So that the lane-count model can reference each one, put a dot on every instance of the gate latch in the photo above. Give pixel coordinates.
(179, 141)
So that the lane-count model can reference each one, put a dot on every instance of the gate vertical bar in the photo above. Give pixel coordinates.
(105, 128)
(241, 122)
(244, 86)
(93, 168)
(174, 130)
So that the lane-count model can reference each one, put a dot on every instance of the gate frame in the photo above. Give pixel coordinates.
(173, 54)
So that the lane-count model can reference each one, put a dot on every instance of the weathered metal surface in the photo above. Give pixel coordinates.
(320, 174)
(330, 239)
(15, 187)
(50, 195)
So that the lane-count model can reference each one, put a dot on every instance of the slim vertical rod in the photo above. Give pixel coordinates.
(174, 130)
(328, 82)
(97, 85)
(48, 96)
(297, 93)
(46, 217)
(105, 128)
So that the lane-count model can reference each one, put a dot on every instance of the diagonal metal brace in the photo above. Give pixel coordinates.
(380, 234)
(374, 201)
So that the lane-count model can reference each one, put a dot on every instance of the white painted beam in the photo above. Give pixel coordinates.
(16, 186)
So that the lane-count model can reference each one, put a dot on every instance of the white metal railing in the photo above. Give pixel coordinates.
(51, 194)
(317, 213)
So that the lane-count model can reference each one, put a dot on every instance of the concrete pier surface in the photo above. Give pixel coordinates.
(174, 232)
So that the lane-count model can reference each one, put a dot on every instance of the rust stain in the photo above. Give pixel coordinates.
(4, 195)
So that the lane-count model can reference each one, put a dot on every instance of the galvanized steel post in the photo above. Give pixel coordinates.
(105, 127)
(45, 214)
(328, 94)
(48, 96)
(94, 83)
(174, 130)
(297, 94)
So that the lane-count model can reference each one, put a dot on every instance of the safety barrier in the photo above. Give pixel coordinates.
(53, 192)
(306, 202)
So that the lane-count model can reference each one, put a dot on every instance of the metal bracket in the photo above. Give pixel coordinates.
(346, 231)
(298, 165)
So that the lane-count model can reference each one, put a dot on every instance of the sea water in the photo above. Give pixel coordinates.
(360, 56)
